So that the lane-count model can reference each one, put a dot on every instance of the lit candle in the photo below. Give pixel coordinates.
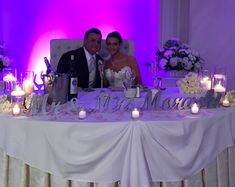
(82, 114)
(194, 109)
(16, 110)
(226, 102)
(219, 88)
(135, 113)
(18, 92)
(28, 87)
(9, 78)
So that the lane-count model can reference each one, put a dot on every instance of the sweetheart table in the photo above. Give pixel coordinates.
(176, 148)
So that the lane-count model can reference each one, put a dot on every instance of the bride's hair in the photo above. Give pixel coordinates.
(115, 34)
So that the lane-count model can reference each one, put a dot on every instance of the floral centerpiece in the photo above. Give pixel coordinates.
(4, 60)
(176, 55)
(231, 97)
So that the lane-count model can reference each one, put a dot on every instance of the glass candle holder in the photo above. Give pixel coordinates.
(9, 80)
(205, 80)
(219, 83)
(17, 94)
(16, 110)
(225, 102)
(27, 82)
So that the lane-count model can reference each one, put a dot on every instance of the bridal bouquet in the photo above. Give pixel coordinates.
(4, 60)
(189, 84)
(178, 56)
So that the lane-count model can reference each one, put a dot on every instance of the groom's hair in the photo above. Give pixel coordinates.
(93, 30)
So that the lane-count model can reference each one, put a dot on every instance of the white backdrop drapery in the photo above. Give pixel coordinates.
(206, 26)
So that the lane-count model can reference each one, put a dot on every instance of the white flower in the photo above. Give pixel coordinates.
(168, 53)
(231, 97)
(179, 56)
(188, 65)
(185, 60)
(6, 61)
(197, 65)
(162, 63)
(173, 61)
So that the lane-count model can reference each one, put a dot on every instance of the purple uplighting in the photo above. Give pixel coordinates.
(29, 26)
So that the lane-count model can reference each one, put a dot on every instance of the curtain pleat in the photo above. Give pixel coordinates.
(222, 169)
(14, 173)
(231, 157)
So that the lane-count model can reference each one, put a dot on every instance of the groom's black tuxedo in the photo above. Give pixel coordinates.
(81, 67)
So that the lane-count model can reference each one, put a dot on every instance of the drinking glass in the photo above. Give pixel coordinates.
(27, 82)
(9, 80)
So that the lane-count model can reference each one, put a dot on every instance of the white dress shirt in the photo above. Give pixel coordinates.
(91, 62)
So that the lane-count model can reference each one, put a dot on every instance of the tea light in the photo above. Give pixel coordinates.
(82, 114)
(18, 92)
(135, 113)
(226, 102)
(194, 109)
(16, 110)
(219, 88)
(28, 87)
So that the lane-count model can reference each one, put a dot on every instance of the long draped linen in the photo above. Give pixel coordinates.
(160, 146)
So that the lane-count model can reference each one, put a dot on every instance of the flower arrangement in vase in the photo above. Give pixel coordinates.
(4, 60)
(178, 56)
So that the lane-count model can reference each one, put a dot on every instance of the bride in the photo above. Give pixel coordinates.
(120, 67)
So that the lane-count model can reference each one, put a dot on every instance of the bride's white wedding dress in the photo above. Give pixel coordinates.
(116, 79)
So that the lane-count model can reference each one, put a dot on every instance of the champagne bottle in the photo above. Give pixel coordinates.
(50, 69)
(73, 80)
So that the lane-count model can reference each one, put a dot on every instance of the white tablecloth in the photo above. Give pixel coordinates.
(160, 146)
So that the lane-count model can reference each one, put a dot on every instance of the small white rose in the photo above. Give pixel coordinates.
(168, 53)
(162, 63)
(173, 61)
(188, 66)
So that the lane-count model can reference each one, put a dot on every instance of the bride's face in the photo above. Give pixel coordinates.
(113, 45)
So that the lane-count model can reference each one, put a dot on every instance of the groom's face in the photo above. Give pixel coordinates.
(92, 43)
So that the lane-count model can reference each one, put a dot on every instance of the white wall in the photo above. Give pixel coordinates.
(1, 24)
(174, 20)
(212, 31)
(207, 25)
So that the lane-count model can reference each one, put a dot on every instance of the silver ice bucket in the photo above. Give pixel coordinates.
(57, 87)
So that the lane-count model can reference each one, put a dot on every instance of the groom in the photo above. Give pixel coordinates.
(86, 60)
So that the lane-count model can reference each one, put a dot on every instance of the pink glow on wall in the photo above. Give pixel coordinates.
(29, 26)
(41, 49)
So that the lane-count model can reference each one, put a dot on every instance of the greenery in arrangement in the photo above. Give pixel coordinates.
(176, 55)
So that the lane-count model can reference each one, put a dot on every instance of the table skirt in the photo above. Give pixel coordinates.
(15, 173)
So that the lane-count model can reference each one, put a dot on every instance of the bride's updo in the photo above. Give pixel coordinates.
(114, 34)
